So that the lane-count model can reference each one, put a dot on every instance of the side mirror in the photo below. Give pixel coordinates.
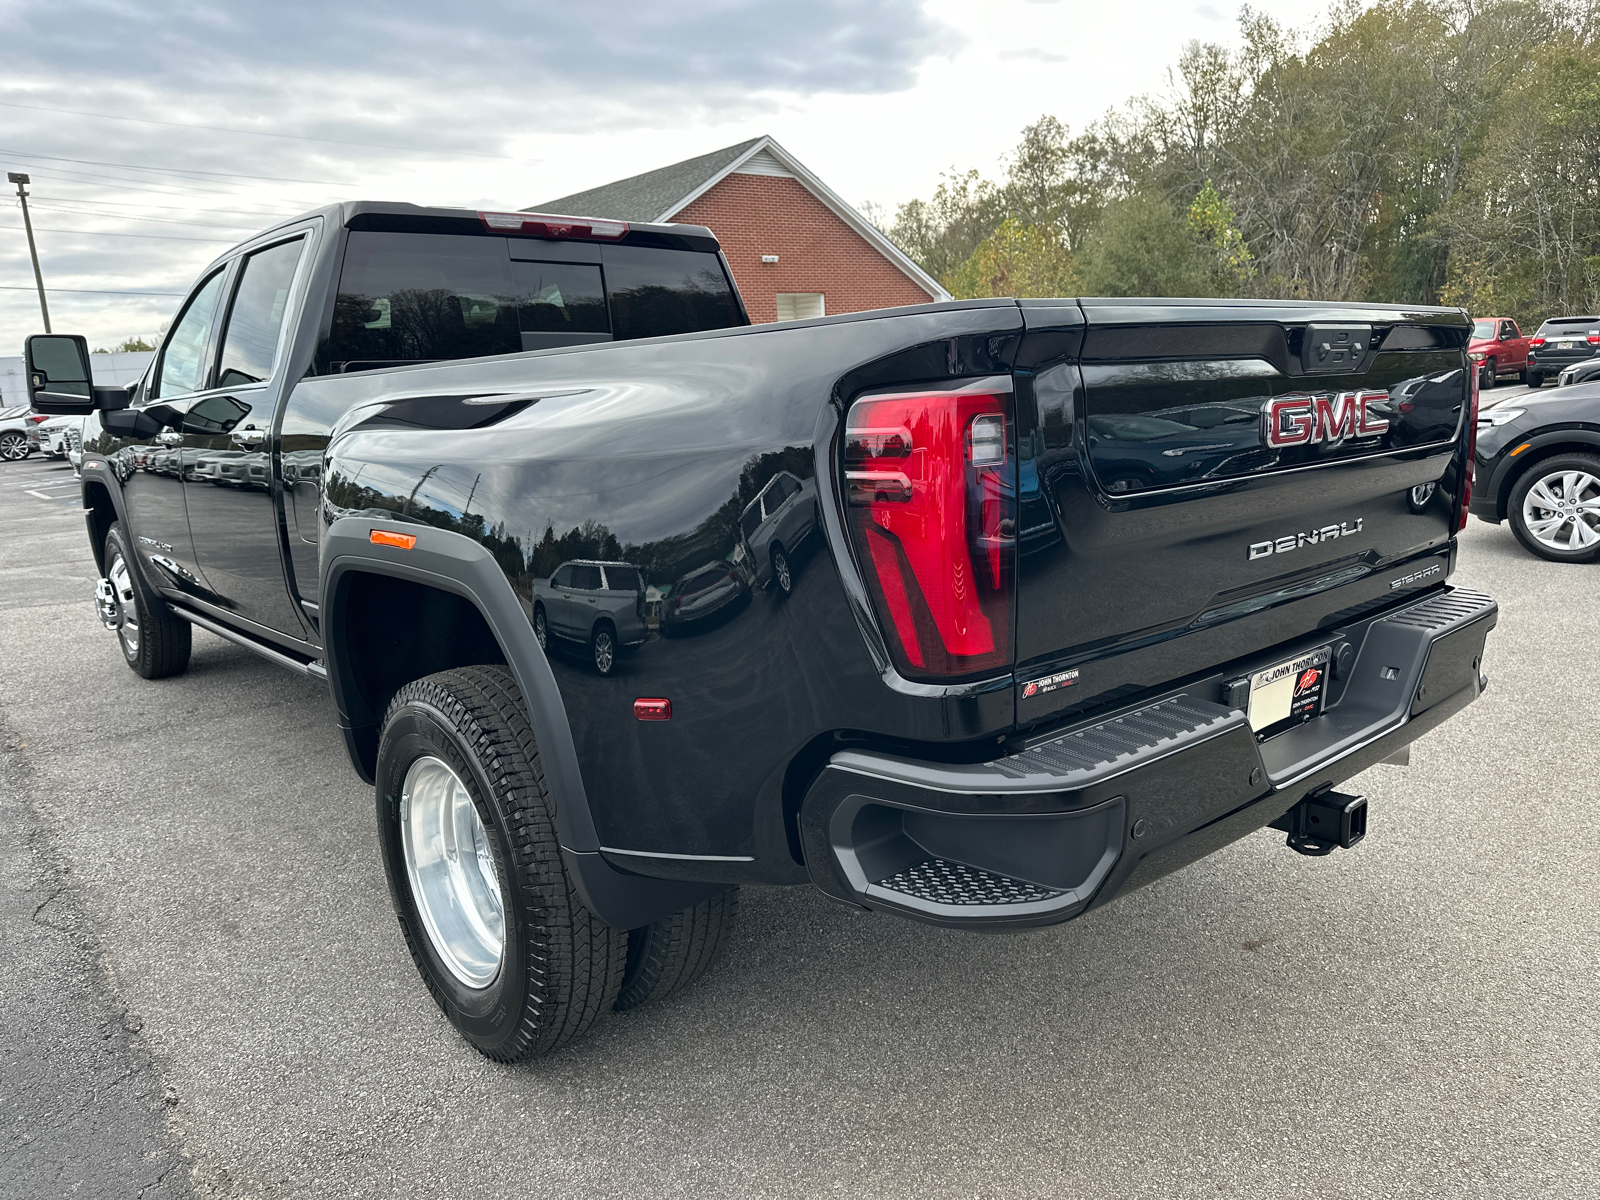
(59, 379)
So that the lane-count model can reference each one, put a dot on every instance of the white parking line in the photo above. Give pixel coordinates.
(41, 495)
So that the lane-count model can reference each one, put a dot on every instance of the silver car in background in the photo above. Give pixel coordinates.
(598, 605)
(774, 525)
(19, 432)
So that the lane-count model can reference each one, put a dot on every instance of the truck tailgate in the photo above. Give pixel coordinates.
(1212, 480)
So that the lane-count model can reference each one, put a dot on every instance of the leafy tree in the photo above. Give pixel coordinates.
(1143, 247)
(127, 346)
(1016, 260)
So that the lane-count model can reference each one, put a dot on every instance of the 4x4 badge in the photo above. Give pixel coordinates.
(1302, 419)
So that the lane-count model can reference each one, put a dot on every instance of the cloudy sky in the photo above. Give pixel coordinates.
(159, 134)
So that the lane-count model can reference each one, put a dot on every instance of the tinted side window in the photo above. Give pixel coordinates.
(183, 358)
(419, 297)
(586, 579)
(250, 342)
(751, 521)
(562, 577)
(623, 579)
(656, 292)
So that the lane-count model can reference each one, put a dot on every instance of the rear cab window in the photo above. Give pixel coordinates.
(407, 295)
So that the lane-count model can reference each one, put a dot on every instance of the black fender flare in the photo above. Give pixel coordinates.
(1576, 436)
(455, 563)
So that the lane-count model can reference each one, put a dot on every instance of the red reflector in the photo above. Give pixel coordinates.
(930, 480)
(547, 225)
(384, 537)
(653, 710)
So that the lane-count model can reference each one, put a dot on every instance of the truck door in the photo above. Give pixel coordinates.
(151, 463)
(230, 489)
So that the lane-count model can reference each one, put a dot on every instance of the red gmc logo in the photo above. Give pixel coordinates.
(1303, 420)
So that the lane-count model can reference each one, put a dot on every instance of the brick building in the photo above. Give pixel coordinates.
(796, 249)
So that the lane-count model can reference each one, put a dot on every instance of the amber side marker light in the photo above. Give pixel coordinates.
(383, 537)
(1519, 449)
(653, 710)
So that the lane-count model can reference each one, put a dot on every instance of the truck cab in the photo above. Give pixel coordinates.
(1499, 349)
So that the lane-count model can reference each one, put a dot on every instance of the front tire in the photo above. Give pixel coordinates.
(1488, 376)
(14, 446)
(154, 642)
(483, 843)
(541, 628)
(1555, 508)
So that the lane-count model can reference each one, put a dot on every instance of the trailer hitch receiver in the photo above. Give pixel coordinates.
(1323, 821)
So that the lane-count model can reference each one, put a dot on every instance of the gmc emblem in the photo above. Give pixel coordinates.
(1303, 420)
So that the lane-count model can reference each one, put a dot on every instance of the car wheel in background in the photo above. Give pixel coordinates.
(541, 627)
(488, 911)
(668, 955)
(1535, 379)
(14, 446)
(1487, 376)
(782, 579)
(603, 645)
(154, 642)
(1555, 508)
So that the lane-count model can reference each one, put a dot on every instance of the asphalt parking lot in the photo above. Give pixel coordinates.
(206, 992)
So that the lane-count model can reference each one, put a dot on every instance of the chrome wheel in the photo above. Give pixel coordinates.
(780, 570)
(13, 446)
(541, 629)
(605, 650)
(1562, 511)
(125, 615)
(451, 867)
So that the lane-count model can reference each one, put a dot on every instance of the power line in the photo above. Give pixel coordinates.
(293, 137)
(92, 162)
(183, 208)
(160, 237)
(184, 187)
(79, 212)
(6, 287)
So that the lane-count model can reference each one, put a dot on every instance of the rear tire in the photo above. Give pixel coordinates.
(782, 576)
(603, 648)
(154, 642)
(668, 955)
(14, 446)
(559, 968)
(1549, 501)
(1488, 376)
(541, 628)
(1535, 379)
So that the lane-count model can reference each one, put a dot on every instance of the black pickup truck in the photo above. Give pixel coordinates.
(979, 613)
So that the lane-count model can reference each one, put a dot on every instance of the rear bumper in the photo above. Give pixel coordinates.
(1106, 806)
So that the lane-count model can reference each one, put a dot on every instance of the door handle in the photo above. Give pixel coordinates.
(249, 436)
(170, 437)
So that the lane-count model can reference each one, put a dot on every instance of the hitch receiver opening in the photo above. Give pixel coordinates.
(1324, 821)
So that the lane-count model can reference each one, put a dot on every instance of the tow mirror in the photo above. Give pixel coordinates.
(60, 381)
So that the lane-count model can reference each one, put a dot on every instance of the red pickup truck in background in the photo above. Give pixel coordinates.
(1499, 349)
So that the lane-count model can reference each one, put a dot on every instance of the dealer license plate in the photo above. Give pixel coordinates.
(1289, 693)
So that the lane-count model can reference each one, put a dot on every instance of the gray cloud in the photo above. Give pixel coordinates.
(450, 85)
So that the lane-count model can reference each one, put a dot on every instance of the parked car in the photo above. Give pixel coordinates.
(1499, 349)
(599, 605)
(776, 525)
(702, 595)
(19, 432)
(948, 723)
(1560, 343)
(1537, 465)
(1586, 371)
(55, 435)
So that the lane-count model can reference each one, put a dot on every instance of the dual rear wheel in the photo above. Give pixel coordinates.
(488, 910)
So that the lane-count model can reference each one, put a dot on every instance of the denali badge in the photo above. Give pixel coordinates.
(1285, 544)
(1301, 419)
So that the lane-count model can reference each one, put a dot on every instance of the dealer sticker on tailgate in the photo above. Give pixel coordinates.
(1288, 694)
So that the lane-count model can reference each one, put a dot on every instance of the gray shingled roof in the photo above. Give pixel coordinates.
(645, 197)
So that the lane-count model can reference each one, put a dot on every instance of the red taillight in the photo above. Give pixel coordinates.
(38, 418)
(550, 226)
(1536, 343)
(1594, 339)
(930, 485)
(1472, 452)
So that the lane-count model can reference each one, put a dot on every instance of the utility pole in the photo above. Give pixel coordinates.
(33, 251)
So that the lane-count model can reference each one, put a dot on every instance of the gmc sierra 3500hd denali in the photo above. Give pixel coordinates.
(977, 613)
